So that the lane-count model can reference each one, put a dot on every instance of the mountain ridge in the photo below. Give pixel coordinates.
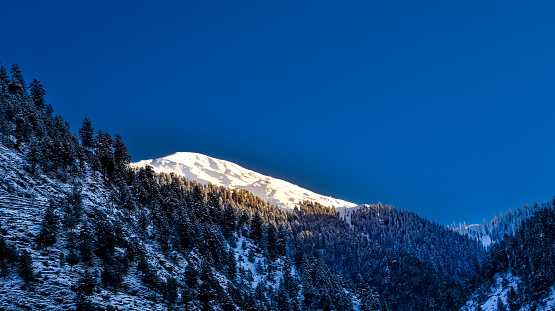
(206, 169)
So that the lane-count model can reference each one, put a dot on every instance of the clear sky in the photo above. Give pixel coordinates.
(444, 108)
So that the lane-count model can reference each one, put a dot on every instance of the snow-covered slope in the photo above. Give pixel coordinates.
(205, 169)
(477, 232)
(499, 289)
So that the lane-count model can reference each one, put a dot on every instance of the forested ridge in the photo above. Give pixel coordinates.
(528, 256)
(180, 244)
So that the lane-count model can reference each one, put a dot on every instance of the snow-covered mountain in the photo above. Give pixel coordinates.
(206, 170)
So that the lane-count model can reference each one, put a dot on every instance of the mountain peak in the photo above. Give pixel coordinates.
(205, 169)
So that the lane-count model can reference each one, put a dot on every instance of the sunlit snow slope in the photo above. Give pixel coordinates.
(205, 169)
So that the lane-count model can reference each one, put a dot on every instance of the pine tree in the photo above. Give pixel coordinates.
(289, 282)
(7, 110)
(86, 134)
(35, 154)
(148, 274)
(231, 266)
(229, 222)
(272, 241)
(209, 285)
(86, 243)
(105, 153)
(87, 283)
(214, 205)
(73, 208)
(106, 238)
(192, 276)
(49, 225)
(37, 94)
(17, 84)
(73, 258)
(4, 82)
(283, 300)
(121, 157)
(256, 230)
(187, 232)
(281, 244)
(112, 276)
(26, 270)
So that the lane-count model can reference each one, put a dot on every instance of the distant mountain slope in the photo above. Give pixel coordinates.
(519, 269)
(205, 169)
(506, 224)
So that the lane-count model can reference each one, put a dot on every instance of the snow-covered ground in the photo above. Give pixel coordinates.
(477, 232)
(500, 290)
(206, 170)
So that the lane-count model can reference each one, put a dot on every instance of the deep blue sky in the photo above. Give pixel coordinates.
(445, 108)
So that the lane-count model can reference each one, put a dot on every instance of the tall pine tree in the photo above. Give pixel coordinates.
(86, 134)
(37, 94)
(105, 153)
(121, 157)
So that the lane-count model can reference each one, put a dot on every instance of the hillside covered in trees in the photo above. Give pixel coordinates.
(77, 222)
(521, 266)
